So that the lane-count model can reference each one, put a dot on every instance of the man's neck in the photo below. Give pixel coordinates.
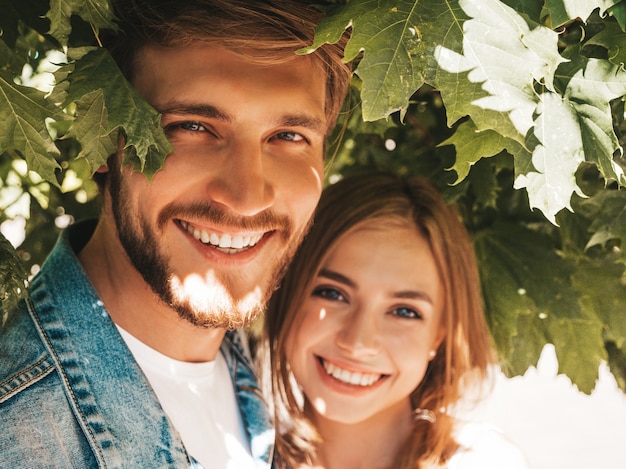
(137, 309)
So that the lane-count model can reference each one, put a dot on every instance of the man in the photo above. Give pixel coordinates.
(125, 355)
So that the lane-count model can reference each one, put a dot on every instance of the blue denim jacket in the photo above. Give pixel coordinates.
(71, 393)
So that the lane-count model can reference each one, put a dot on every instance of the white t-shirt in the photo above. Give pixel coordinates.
(199, 399)
(485, 447)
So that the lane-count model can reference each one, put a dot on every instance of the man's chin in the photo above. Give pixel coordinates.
(213, 305)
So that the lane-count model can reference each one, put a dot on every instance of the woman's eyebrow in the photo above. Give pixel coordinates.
(413, 295)
(405, 294)
(332, 275)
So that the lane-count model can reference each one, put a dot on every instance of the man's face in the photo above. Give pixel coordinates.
(213, 230)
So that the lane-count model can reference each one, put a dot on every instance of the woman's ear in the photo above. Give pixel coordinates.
(440, 336)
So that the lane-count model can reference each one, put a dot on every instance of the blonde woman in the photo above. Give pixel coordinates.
(375, 333)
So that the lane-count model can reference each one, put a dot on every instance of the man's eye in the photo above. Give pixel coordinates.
(406, 313)
(290, 136)
(188, 126)
(191, 126)
(328, 293)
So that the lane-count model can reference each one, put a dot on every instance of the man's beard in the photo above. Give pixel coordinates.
(218, 308)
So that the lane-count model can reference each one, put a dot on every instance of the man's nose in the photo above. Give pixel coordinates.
(242, 183)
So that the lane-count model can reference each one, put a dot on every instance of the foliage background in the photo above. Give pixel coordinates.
(514, 108)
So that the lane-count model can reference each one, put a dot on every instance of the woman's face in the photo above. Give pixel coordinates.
(369, 322)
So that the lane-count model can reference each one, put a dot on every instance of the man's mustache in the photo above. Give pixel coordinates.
(203, 212)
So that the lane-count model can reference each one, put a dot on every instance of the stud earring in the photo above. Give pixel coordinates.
(432, 354)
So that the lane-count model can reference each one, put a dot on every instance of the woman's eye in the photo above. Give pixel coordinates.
(290, 136)
(328, 294)
(406, 313)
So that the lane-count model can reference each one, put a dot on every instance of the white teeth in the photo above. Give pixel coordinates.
(354, 378)
(224, 241)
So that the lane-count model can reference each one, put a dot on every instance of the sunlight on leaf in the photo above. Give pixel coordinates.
(503, 57)
(555, 159)
(397, 40)
(23, 114)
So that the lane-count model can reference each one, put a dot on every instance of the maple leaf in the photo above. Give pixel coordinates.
(555, 158)
(90, 130)
(97, 13)
(572, 129)
(613, 39)
(125, 109)
(503, 55)
(561, 11)
(472, 144)
(530, 301)
(397, 40)
(23, 114)
(610, 220)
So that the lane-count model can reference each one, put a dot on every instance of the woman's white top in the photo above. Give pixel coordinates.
(485, 447)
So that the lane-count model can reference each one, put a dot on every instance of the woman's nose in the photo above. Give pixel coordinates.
(359, 334)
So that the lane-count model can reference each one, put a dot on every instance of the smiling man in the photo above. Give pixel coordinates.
(127, 353)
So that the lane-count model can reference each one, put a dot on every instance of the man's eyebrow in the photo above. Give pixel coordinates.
(302, 120)
(203, 110)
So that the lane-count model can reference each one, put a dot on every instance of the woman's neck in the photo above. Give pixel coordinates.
(371, 444)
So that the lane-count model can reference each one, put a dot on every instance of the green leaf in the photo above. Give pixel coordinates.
(397, 40)
(571, 130)
(16, 12)
(590, 91)
(602, 290)
(610, 221)
(472, 145)
(555, 159)
(13, 279)
(125, 108)
(23, 114)
(504, 54)
(97, 13)
(561, 11)
(613, 39)
(618, 11)
(530, 301)
(90, 129)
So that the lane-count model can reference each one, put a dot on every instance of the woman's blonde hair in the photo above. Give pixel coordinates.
(463, 356)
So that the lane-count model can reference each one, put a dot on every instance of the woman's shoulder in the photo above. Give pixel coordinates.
(484, 446)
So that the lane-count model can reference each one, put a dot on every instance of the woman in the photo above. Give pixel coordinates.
(379, 321)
